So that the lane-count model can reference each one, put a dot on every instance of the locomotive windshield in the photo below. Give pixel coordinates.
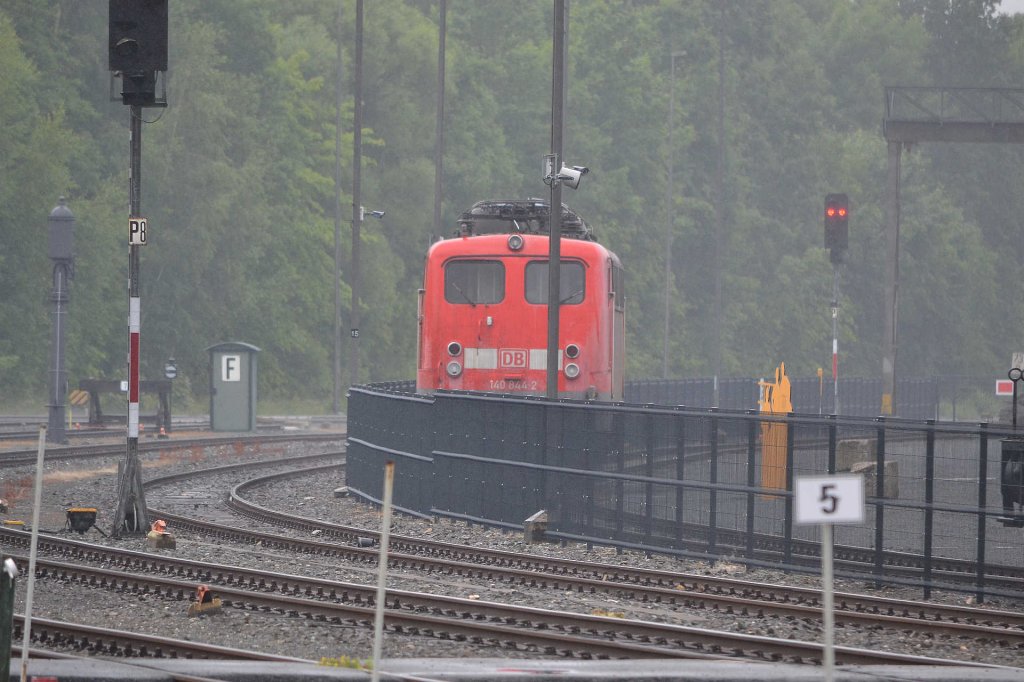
(474, 281)
(570, 282)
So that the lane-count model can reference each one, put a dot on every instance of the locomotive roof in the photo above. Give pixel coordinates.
(531, 216)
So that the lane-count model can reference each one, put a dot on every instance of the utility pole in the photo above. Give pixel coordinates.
(558, 46)
(357, 211)
(719, 209)
(670, 210)
(892, 277)
(336, 395)
(442, 29)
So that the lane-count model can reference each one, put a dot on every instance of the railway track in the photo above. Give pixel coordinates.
(684, 591)
(850, 562)
(664, 585)
(574, 634)
(27, 428)
(94, 641)
(340, 603)
(14, 458)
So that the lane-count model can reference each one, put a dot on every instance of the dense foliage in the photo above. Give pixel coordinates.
(238, 178)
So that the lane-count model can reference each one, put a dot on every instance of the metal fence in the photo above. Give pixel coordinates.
(697, 483)
(918, 398)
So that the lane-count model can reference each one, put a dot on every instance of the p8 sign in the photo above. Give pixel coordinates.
(137, 231)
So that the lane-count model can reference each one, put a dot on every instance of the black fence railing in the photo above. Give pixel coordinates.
(935, 397)
(918, 398)
(698, 483)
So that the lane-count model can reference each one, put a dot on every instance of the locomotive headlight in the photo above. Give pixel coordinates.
(515, 242)
(454, 369)
(454, 348)
(572, 351)
(572, 370)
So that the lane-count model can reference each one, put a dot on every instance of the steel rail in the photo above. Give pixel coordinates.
(693, 592)
(556, 632)
(610, 572)
(715, 648)
(107, 641)
(10, 458)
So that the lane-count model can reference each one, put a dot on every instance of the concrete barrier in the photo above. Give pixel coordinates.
(853, 450)
(891, 490)
(535, 527)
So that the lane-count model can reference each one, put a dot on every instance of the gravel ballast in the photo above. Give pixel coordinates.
(93, 483)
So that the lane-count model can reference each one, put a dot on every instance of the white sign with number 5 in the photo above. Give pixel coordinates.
(830, 499)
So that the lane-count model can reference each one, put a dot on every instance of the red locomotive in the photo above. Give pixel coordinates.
(483, 307)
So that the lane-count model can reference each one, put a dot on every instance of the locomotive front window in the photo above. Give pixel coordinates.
(474, 281)
(571, 281)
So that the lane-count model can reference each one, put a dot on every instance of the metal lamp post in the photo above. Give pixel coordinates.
(336, 394)
(171, 373)
(357, 209)
(558, 59)
(670, 209)
(61, 228)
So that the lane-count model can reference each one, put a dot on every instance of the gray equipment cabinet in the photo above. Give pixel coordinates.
(233, 386)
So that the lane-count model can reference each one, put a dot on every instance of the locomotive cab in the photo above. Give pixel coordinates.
(483, 308)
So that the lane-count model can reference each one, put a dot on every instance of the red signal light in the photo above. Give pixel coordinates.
(837, 210)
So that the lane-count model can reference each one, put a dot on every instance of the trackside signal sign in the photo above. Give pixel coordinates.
(136, 231)
(829, 499)
(1004, 387)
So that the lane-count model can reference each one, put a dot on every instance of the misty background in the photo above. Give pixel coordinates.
(238, 180)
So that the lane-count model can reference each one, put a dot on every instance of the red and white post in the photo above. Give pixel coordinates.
(130, 516)
(835, 337)
(133, 366)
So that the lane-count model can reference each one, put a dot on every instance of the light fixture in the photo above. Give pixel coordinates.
(570, 175)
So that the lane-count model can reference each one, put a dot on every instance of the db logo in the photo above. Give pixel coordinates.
(512, 358)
